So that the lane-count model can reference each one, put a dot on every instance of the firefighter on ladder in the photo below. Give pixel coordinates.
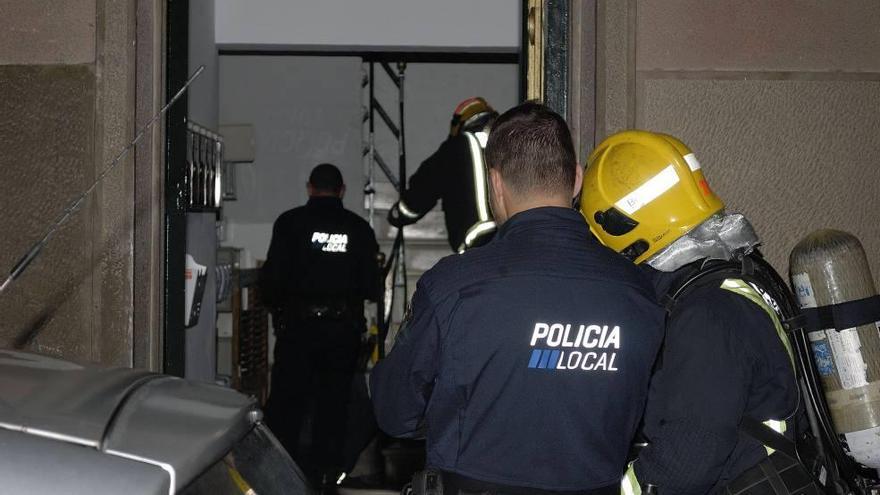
(456, 175)
(727, 363)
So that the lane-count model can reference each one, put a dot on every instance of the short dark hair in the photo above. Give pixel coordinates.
(531, 146)
(326, 178)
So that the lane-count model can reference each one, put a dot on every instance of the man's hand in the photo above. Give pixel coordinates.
(399, 215)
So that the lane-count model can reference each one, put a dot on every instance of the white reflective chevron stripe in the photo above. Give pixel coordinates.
(481, 186)
(778, 427)
(474, 233)
(649, 191)
(692, 162)
(483, 138)
(405, 211)
(629, 485)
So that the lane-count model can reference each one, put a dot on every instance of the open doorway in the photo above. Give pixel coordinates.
(311, 108)
(289, 97)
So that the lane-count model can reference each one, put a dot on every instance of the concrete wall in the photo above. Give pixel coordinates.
(778, 99)
(334, 24)
(68, 77)
(306, 110)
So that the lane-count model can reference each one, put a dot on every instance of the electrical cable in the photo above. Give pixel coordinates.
(72, 207)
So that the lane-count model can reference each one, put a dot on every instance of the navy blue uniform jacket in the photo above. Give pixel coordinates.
(528, 359)
(320, 251)
(722, 359)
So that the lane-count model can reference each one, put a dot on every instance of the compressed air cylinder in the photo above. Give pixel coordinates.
(829, 267)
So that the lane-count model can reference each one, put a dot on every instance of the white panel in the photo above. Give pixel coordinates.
(238, 143)
(486, 24)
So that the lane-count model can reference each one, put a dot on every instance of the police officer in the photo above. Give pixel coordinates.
(455, 174)
(320, 267)
(727, 364)
(527, 359)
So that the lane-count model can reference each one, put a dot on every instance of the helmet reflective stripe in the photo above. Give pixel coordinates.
(629, 485)
(649, 191)
(692, 162)
(405, 211)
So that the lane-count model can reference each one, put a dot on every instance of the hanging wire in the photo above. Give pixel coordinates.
(75, 205)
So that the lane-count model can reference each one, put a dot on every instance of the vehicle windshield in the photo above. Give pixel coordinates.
(256, 465)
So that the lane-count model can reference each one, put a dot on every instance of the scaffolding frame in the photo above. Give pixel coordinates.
(394, 275)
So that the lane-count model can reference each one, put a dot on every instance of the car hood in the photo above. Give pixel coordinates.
(177, 425)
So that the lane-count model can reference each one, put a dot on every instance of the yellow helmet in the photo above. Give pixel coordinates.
(642, 191)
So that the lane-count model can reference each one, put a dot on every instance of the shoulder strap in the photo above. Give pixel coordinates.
(768, 436)
(706, 276)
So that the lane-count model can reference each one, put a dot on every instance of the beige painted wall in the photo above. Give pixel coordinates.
(780, 100)
(68, 79)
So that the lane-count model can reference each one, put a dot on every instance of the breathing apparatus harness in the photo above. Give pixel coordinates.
(818, 452)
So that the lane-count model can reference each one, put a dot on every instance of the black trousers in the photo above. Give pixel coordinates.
(313, 370)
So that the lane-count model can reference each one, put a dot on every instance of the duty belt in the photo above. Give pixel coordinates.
(325, 311)
(331, 309)
(456, 484)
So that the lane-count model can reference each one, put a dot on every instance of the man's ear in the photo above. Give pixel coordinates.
(310, 189)
(496, 200)
(342, 192)
(578, 180)
(497, 185)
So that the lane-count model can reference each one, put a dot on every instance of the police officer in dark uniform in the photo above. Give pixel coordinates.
(455, 174)
(527, 359)
(321, 265)
(726, 376)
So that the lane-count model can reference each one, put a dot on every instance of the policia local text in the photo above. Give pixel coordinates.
(566, 335)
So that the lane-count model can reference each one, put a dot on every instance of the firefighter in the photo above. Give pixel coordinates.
(320, 268)
(526, 359)
(455, 174)
(727, 365)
